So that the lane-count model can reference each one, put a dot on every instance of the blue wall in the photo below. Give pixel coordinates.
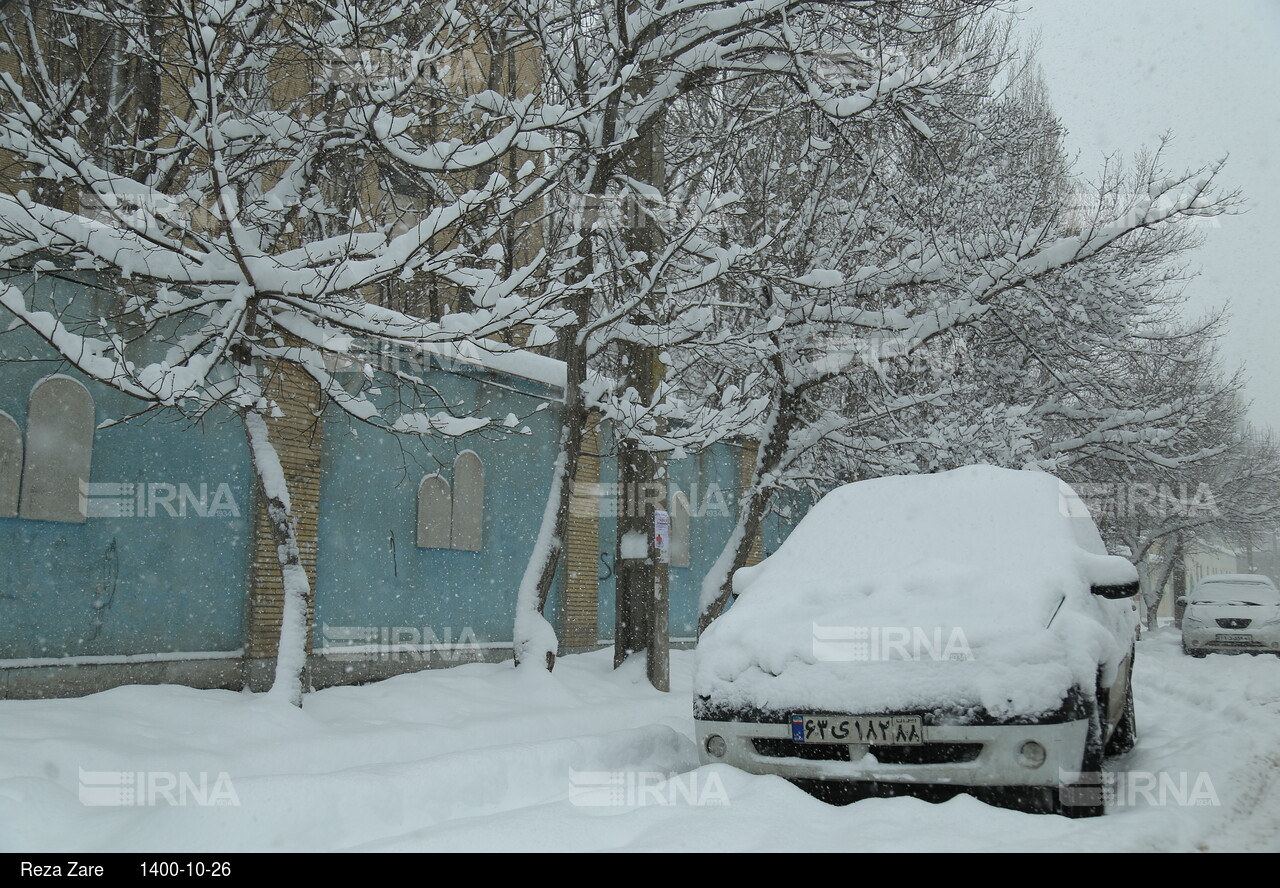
(126, 585)
(369, 496)
(710, 481)
(160, 583)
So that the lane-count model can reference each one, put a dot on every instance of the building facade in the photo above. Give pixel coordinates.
(137, 551)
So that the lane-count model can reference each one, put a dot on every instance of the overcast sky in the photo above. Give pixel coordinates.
(1121, 72)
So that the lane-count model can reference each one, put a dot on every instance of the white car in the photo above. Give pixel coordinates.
(1231, 613)
(961, 631)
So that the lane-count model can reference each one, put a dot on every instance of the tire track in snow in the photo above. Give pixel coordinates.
(1218, 716)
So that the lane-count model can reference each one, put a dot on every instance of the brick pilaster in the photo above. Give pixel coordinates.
(579, 613)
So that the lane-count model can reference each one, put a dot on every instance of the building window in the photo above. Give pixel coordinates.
(10, 466)
(59, 451)
(679, 530)
(453, 518)
(435, 513)
(468, 502)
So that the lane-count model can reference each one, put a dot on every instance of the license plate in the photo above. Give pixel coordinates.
(881, 730)
(1237, 637)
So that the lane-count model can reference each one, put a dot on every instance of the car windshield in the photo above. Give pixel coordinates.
(1235, 593)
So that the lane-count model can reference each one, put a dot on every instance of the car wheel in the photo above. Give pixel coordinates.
(1125, 735)
(1085, 797)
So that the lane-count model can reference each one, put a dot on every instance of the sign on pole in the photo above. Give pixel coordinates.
(662, 534)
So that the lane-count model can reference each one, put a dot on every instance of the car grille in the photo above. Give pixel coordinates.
(1234, 623)
(775, 747)
(927, 754)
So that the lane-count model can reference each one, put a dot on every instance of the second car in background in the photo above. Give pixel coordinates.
(1231, 613)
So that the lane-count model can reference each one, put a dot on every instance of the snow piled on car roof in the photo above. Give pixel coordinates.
(1237, 579)
(967, 588)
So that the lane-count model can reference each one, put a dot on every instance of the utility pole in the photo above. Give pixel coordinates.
(642, 586)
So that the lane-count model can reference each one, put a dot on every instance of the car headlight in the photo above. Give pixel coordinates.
(1270, 618)
(1031, 754)
(715, 746)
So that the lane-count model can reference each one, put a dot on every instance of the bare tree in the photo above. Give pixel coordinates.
(964, 238)
(643, 279)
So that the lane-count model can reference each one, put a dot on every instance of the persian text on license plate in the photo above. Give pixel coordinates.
(881, 730)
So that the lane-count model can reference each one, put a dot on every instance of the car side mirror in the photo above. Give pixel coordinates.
(1181, 601)
(1115, 592)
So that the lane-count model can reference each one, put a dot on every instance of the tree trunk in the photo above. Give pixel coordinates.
(643, 583)
(534, 638)
(717, 586)
(1169, 565)
(291, 650)
(1179, 588)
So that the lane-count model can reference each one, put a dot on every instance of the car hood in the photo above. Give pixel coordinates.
(839, 669)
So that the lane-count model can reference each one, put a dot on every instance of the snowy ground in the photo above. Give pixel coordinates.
(484, 757)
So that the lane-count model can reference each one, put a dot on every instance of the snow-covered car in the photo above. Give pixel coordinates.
(1231, 613)
(929, 634)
